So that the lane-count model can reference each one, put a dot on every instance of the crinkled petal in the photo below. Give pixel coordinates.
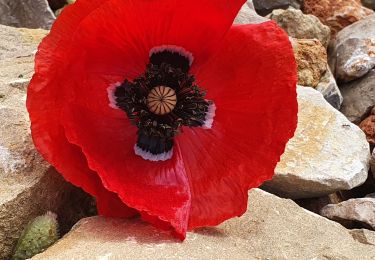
(44, 105)
(158, 189)
(68, 105)
(207, 179)
(253, 83)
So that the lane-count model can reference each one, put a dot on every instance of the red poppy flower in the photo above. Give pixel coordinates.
(162, 107)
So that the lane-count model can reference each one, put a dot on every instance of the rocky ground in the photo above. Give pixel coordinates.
(319, 205)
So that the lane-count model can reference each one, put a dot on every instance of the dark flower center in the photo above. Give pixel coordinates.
(161, 101)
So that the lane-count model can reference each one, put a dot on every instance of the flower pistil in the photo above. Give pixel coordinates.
(161, 101)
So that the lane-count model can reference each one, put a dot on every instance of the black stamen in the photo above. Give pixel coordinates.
(181, 101)
(175, 59)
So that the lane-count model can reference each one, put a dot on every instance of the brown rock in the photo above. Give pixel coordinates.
(368, 126)
(272, 228)
(373, 164)
(369, 3)
(311, 57)
(337, 14)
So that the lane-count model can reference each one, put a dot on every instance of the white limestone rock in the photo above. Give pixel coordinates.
(272, 228)
(327, 153)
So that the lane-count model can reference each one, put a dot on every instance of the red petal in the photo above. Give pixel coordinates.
(44, 105)
(154, 188)
(252, 81)
(259, 88)
(117, 38)
(112, 43)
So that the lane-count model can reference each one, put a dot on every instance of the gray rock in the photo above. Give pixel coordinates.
(301, 26)
(247, 15)
(360, 210)
(272, 228)
(363, 236)
(354, 50)
(264, 7)
(326, 154)
(28, 185)
(331, 92)
(369, 3)
(26, 13)
(359, 97)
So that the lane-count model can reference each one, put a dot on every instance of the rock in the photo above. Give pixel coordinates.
(316, 204)
(368, 126)
(311, 59)
(56, 4)
(331, 92)
(17, 47)
(363, 236)
(373, 164)
(360, 191)
(359, 97)
(272, 228)
(313, 71)
(354, 50)
(301, 26)
(369, 3)
(247, 15)
(360, 210)
(26, 13)
(28, 186)
(327, 153)
(26, 42)
(264, 7)
(337, 14)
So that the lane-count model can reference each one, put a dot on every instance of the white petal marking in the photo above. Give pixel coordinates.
(152, 157)
(111, 94)
(209, 120)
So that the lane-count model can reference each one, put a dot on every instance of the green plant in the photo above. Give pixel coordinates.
(38, 235)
